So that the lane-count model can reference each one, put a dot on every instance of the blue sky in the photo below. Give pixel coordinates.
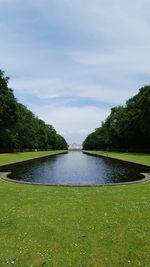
(70, 61)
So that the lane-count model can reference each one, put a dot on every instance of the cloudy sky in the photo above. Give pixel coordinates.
(70, 61)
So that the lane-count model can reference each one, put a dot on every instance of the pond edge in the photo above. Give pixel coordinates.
(32, 159)
(115, 159)
(4, 176)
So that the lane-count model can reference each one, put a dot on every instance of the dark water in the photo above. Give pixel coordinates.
(75, 168)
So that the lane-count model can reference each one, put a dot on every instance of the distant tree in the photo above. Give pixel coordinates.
(8, 112)
(126, 128)
(60, 143)
(52, 136)
(138, 108)
(20, 128)
(26, 128)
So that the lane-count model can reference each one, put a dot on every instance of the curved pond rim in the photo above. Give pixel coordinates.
(115, 159)
(5, 176)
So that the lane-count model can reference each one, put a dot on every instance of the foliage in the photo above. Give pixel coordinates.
(126, 128)
(20, 129)
(61, 142)
(8, 112)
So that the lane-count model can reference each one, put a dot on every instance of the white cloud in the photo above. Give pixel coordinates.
(73, 119)
(49, 88)
(124, 60)
(94, 50)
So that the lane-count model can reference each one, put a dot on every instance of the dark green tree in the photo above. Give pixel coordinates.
(20, 129)
(60, 143)
(8, 113)
(126, 128)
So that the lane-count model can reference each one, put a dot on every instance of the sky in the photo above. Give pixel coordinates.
(71, 61)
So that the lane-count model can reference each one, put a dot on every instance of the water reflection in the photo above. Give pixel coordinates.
(75, 168)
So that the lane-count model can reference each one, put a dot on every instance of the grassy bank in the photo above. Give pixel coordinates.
(9, 158)
(79, 227)
(140, 158)
(89, 227)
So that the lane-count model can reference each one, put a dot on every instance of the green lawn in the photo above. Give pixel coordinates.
(9, 158)
(141, 158)
(72, 226)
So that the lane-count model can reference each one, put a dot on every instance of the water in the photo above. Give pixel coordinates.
(75, 168)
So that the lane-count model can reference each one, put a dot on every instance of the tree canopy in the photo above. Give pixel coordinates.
(126, 128)
(20, 129)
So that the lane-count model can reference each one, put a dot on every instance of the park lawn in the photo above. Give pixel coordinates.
(74, 226)
(88, 227)
(9, 158)
(140, 158)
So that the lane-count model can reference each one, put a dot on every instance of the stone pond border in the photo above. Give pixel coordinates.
(116, 159)
(4, 176)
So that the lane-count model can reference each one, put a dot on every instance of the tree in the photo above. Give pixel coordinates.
(26, 128)
(126, 128)
(8, 112)
(60, 143)
(20, 128)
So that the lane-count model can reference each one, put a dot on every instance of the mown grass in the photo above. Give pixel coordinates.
(140, 158)
(75, 226)
(9, 158)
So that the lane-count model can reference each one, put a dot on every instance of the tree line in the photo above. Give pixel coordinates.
(20, 129)
(127, 128)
